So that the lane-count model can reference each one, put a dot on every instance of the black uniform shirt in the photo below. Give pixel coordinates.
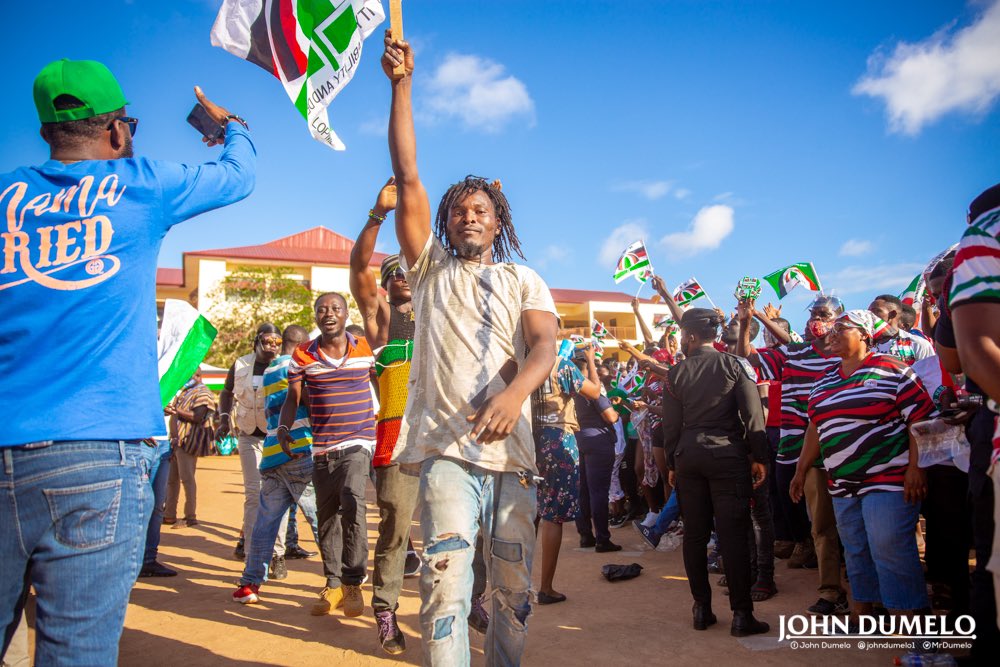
(710, 400)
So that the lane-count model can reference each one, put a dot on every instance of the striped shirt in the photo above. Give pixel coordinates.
(976, 274)
(796, 366)
(340, 400)
(862, 421)
(275, 390)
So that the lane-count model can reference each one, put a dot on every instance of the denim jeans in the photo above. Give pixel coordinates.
(158, 474)
(340, 478)
(251, 452)
(459, 499)
(73, 520)
(671, 510)
(396, 495)
(877, 531)
(281, 488)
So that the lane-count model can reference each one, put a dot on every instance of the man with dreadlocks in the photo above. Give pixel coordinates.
(485, 340)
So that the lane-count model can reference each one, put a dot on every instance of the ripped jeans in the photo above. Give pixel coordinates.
(459, 499)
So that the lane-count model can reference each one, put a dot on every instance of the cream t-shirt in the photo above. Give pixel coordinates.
(468, 325)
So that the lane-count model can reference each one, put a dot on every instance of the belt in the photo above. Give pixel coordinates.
(337, 454)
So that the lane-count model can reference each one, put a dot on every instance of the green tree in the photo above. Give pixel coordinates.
(251, 295)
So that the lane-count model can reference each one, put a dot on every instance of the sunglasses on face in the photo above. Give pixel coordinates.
(396, 274)
(133, 123)
(271, 341)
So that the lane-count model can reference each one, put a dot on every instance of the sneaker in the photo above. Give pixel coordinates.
(605, 547)
(650, 519)
(354, 601)
(618, 520)
(412, 566)
(239, 553)
(155, 569)
(329, 599)
(191, 522)
(801, 555)
(650, 535)
(479, 618)
(296, 552)
(715, 563)
(278, 569)
(389, 635)
(247, 594)
(824, 607)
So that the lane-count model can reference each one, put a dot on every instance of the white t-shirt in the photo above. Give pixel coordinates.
(906, 347)
(468, 325)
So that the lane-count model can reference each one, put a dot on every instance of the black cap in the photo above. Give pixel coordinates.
(698, 316)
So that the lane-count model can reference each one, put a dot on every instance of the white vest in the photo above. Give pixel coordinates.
(249, 401)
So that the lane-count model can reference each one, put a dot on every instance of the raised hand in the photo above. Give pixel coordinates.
(770, 312)
(217, 113)
(744, 311)
(396, 52)
(386, 200)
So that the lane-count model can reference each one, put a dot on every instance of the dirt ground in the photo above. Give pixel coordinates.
(191, 619)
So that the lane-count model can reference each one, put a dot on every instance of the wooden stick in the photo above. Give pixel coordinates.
(396, 32)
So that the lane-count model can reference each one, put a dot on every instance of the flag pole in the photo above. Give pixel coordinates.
(396, 28)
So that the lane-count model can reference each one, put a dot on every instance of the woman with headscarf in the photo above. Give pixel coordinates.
(860, 412)
(192, 435)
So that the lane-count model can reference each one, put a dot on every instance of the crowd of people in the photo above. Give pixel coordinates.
(456, 397)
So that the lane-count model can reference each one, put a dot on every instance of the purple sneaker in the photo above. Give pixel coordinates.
(479, 618)
(389, 635)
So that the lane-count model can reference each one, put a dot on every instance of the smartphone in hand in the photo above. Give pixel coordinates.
(201, 121)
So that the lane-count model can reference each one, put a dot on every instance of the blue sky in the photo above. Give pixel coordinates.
(734, 137)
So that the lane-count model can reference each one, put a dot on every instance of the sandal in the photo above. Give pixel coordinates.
(763, 591)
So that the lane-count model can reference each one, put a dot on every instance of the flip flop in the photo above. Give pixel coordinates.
(762, 591)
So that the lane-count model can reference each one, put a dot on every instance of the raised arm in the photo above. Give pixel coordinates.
(744, 311)
(413, 212)
(764, 317)
(374, 310)
(647, 335)
(661, 288)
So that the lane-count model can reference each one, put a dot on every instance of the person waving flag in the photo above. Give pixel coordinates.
(634, 262)
(785, 280)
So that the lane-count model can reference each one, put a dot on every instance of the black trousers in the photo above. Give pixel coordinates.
(796, 516)
(597, 459)
(948, 511)
(340, 508)
(715, 489)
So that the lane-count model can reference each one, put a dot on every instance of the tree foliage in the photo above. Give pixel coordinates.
(252, 295)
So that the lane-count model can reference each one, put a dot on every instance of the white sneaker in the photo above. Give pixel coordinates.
(650, 520)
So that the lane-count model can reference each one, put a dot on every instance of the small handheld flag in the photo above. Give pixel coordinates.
(634, 262)
(688, 291)
(184, 340)
(785, 280)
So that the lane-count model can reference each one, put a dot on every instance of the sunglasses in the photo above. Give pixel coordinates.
(133, 123)
(396, 274)
(270, 340)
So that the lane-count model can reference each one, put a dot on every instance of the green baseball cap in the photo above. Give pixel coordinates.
(87, 80)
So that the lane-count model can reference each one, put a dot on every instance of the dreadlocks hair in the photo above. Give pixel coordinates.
(506, 242)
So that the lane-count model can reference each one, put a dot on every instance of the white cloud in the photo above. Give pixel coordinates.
(710, 226)
(649, 189)
(682, 193)
(619, 239)
(879, 278)
(856, 248)
(478, 92)
(952, 70)
(377, 126)
(552, 254)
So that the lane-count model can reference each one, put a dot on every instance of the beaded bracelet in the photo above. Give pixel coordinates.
(372, 215)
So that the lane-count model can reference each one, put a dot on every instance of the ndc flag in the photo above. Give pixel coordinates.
(785, 280)
(634, 262)
(312, 46)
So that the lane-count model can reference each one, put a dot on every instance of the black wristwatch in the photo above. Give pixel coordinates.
(239, 120)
